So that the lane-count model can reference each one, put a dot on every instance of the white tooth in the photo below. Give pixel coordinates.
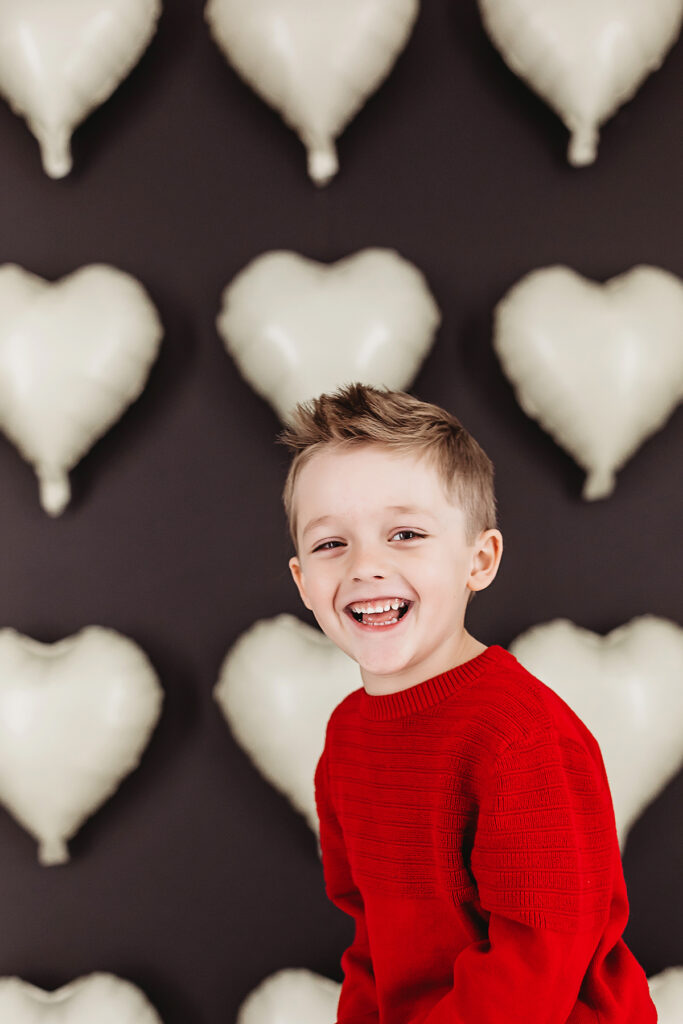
(373, 607)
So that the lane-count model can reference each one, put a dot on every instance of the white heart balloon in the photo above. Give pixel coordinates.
(62, 58)
(314, 62)
(75, 717)
(98, 998)
(599, 366)
(666, 990)
(297, 328)
(278, 686)
(585, 57)
(73, 356)
(626, 688)
(292, 996)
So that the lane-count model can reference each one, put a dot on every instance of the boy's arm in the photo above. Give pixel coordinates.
(358, 997)
(544, 859)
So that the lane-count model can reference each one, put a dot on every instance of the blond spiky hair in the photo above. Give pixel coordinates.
(359, 414)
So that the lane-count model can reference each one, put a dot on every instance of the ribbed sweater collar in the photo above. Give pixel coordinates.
(432, 691)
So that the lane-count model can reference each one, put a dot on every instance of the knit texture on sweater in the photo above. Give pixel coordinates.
(466, 825)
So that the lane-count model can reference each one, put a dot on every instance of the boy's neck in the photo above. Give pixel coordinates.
(463, 649)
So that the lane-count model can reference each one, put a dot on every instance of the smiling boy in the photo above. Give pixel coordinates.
(466, 822)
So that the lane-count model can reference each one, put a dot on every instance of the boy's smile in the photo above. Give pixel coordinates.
(381, 612)
(385, 565)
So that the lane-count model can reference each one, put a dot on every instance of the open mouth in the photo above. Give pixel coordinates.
(382, 613)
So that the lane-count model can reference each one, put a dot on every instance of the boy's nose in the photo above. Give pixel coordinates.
(367, 565)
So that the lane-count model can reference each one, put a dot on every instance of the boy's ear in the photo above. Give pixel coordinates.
(298, 577)
(488, 551)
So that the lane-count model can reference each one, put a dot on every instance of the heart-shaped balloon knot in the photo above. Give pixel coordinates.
(53, 851)
(583, 144)
(599, 484)
(55, 148)
(55, 489)
(323, 163)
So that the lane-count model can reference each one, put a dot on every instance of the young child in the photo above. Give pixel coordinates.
(466, 821)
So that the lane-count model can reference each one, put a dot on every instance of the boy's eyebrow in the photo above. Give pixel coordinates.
(409, 510)
(406, 510)
(313, 523)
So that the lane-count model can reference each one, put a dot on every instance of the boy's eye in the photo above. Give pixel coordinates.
(328, 545)
(407, 535)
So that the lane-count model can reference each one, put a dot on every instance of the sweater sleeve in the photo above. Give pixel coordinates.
(543, 860)
(358, 997)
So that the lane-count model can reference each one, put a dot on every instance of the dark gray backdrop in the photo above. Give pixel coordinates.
(197, 879)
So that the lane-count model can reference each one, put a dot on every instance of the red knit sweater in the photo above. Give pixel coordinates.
(466, 824)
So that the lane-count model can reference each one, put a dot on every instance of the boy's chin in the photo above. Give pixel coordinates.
(386, 661)
(382, 664)
(388, 673)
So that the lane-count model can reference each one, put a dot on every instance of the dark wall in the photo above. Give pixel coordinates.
(197, 879)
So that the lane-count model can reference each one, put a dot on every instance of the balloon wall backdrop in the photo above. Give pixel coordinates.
(162, 760)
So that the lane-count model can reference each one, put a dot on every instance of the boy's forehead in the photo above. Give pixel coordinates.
(335, 481)
(386, 467)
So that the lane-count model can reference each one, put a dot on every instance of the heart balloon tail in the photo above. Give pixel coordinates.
(53, 851)
(323, 163)
(599, 484)
(583, 145)
(55, 149)
(55, 490)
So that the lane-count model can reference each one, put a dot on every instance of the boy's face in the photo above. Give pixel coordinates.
(377, 529)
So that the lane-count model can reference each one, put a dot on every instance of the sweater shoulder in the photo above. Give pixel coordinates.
(521, 705)
(346, 711)
(504, 706)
